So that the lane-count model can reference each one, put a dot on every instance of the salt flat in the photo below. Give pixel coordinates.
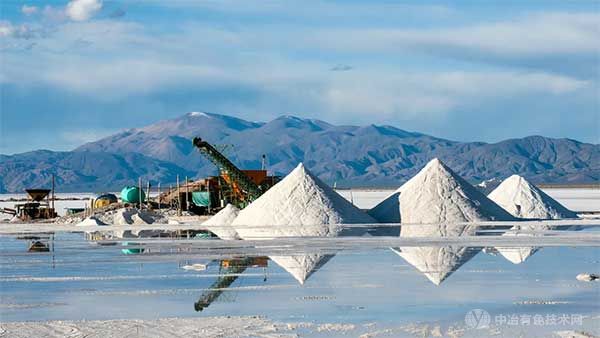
(86, 289)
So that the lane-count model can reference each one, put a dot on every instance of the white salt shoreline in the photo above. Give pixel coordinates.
(224, 326)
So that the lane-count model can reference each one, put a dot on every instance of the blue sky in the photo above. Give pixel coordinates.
(74, 71)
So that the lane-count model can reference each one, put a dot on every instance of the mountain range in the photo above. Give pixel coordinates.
(372, 155)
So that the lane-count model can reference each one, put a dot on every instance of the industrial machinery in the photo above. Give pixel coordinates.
(233, 185)
(229, 271)
(35, 207)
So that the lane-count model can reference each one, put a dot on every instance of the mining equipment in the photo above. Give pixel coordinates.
(229, 271)
(35, 207)
(235, 186)
(232, 185)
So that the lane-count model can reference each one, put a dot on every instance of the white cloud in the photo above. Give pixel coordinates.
(82, 10)
(536, 35)
(6, 29)
(23, 31)
(29, 10)
(435, 94)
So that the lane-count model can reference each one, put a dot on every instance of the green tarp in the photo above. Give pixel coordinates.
(201, 198)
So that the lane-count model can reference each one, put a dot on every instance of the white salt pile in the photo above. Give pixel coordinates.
(523, 199)
(435, 195)
(587, 277)
(92, 220)
(221, 223)
(299, 205)
(300, 200)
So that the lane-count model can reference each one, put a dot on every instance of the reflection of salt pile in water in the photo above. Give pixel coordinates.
(299, 205)
(435, 195)
(523, 199)
(222, 220)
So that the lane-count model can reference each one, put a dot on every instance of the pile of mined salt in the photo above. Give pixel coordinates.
(220, 223)
(92, 220)
(436, 195)
(523, 199)
(299, 205)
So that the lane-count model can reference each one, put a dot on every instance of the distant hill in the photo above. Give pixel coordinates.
(350, 155)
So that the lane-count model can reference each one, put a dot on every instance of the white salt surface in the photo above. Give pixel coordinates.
(305, 206)
(220, 223)
(229, 326)
(523, 199)
(576, 199)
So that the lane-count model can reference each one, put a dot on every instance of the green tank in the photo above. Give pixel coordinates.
(131, 194)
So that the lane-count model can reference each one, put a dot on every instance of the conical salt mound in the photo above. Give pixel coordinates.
(220, 223)
(525, 200)
(302, 205)
(436, 195)
(299, 205)
(92, 220)
(388, 210)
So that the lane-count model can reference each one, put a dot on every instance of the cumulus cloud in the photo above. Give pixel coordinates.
(82, 10)
(29, 10)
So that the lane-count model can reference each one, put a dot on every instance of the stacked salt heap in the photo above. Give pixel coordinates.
(220, 223)
(436, 195)
(523, 199)
(132, 216)
(92, 220)
(299, 205)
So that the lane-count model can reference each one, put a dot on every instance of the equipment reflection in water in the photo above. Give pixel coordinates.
(230, 270)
